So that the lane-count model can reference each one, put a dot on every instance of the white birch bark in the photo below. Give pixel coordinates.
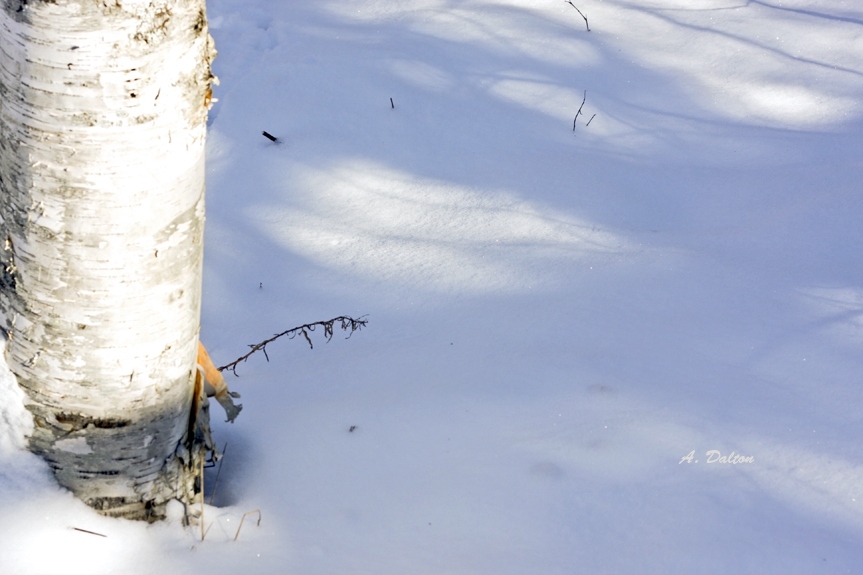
(103, 107)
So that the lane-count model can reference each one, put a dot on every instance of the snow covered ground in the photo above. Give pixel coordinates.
(557, 318)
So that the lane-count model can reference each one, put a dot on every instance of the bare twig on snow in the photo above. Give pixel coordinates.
(577, 114)
(258, 511)
(218, 473)
(348, 324)
(579, 11)
(90, 532)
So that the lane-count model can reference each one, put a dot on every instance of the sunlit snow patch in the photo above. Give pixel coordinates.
(16, 423)
(385, 225)
(821, 484)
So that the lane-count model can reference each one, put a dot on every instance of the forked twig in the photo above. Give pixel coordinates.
(579, 11)
(258, 511)
(348, 324)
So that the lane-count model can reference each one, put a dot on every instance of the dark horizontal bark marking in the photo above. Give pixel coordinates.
(78, 421)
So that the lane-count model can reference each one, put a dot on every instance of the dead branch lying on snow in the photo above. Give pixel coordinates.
(348, 324)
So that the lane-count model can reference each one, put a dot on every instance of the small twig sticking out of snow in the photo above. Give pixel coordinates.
(348, 324)
(90, 532)
(590, 120)
(392, 104)
(218, 473)
(577, 114)
(203, 532)
(258, 511)
(269, 136)
(579, 11)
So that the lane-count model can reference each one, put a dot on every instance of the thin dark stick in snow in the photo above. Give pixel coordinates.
(90, 532)
(590, 120)
(579, 11)
(348, 324)
(392, 104)
(218, 473)
(203, 531)
(270, 137)
(577, 114)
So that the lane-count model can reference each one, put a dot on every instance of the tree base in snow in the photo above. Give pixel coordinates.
(103, 110)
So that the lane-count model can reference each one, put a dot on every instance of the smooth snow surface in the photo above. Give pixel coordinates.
(556, 318)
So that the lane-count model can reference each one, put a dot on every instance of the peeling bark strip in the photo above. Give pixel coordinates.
(103, 108)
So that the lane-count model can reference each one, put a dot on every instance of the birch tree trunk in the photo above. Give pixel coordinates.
(103, 108)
